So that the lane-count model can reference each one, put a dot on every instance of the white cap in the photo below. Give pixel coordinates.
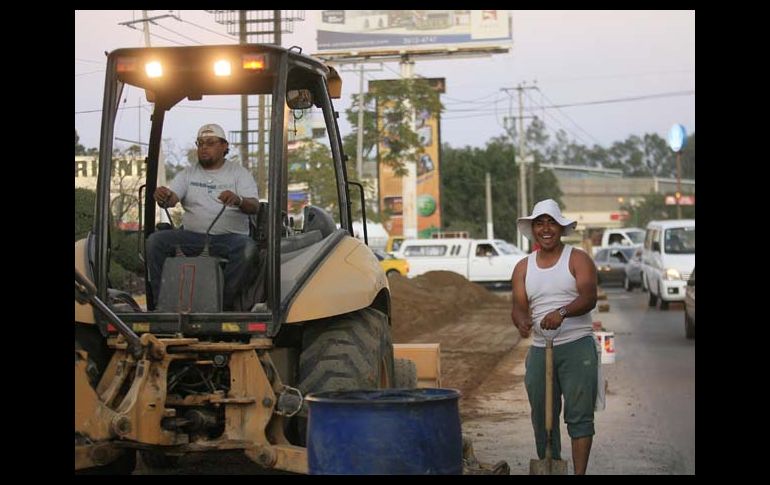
(212, 129)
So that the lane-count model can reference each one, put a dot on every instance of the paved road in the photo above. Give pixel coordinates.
(649, 424)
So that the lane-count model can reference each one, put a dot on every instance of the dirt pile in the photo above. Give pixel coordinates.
(472, 325)
(428, 302)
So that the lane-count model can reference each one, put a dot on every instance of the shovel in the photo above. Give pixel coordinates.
(548, 466)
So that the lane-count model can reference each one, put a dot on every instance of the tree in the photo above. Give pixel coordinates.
(653, 207)
(397, 100)
(463, 203)
(79, 149)
(85, 204)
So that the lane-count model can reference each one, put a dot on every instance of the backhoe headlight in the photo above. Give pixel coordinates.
(153, 69)
(222, 68)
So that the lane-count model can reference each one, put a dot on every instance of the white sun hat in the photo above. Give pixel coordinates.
(550, 207)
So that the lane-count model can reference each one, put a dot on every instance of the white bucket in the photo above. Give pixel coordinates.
(606, 341)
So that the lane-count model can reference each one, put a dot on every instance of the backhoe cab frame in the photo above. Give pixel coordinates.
(130, 406)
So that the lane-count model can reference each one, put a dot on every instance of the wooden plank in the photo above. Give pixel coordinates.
(427, 358)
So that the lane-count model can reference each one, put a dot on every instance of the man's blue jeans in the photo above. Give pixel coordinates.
(234, 247)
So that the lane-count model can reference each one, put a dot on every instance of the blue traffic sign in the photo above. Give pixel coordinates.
(677, 137)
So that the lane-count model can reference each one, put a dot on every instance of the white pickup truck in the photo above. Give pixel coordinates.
(624, 236)
(479, 260)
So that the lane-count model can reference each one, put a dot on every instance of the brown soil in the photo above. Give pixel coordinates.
(472, 324)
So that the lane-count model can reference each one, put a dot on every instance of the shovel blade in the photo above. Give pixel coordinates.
(548, 467)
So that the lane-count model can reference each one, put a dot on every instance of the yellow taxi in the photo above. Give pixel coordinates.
(391, 264)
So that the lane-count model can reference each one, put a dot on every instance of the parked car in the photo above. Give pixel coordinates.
(391, 264)
(479, 260)
(611, 264)
(689, 307)
(634, 271)
(667, 259)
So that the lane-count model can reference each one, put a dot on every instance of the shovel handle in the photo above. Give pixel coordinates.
(548, 385)
(548, 397)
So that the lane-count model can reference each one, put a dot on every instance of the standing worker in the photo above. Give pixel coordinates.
(554, 289)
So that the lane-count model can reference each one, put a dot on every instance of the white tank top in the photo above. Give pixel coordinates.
(550, 289)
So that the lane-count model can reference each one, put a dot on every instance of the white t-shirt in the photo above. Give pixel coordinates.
(198, 189)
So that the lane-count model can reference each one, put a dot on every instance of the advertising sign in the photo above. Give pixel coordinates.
(360, 32)
(392, 197)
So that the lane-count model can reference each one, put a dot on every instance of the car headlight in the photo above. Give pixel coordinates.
(672, 274)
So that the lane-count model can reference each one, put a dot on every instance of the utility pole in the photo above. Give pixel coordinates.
(523, 243)
(409, 181)
(490, 224)
(265, 27)
(360, 134)
(244, 148)
(521, 161)
(146, 28)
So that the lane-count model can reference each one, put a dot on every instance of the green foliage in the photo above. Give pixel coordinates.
(125, 250)
(688, 158)
(398, 100)
(79, 149)
(85, 204)
(312, 164)
(463, 201)
(653, 208)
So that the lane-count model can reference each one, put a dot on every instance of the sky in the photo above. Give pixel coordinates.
(597, 61)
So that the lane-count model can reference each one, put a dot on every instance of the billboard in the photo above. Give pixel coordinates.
(395, 200)
(370, 32)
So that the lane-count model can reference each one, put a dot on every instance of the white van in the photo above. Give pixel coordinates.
(479, 260)
(668, 258)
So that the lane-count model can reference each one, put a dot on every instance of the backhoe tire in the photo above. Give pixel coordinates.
(406, 374)
(158, 460)
(350, 351)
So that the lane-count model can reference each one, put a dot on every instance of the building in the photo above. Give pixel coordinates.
(593, 196)
(128, 176)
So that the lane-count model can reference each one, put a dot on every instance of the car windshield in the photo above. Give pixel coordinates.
(507, 248)
(679, 240)
(382, 255)
(636, 236)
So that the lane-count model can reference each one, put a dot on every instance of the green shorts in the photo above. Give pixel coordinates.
(574, 379)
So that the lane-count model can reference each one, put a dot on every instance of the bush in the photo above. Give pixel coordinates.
(85, 205)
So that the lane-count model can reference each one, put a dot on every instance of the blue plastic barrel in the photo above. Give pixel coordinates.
(384, 432)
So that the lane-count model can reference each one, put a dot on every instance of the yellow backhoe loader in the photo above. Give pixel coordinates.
(188, 375)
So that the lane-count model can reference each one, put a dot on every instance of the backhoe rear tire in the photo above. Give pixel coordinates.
(406, 374)
(350, 351)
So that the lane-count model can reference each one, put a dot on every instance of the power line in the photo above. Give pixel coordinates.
(623, 100)
(89, 60)
(565, 115)
(180, 35)
(89, 72)
(227, 36)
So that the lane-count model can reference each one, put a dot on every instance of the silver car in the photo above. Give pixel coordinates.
(689, 307)
(611, 263)
(633, 270)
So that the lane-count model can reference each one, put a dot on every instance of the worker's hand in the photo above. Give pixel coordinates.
(228, 197)
(524, 328)
(551, 321)
(165, 197)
